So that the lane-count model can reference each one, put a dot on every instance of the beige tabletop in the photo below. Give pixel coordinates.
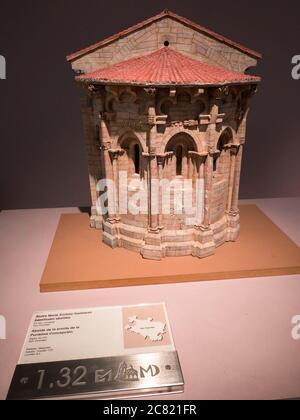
(234, 337)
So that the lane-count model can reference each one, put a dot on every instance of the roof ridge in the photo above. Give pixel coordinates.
(156, 18)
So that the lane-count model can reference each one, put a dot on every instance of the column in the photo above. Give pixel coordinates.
(190, 164)
(105, 144)
(191, 161)
(160, 165)
(208, 185)
(200, 216)
(115, 153)
(153, 193)
(236, 185)
(146, 156)
(197, 160)
(232, 171)
(152, 165)
(211, 140)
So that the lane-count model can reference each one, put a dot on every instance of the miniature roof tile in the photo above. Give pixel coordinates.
(165, 67)
(162, 15)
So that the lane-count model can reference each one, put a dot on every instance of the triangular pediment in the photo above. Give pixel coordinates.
(165, 28)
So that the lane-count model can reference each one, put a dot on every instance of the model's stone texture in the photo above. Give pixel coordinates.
(167, 100)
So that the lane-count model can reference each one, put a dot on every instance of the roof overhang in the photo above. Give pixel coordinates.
(165, 67)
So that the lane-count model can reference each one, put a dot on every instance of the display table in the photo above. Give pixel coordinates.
(233, 337)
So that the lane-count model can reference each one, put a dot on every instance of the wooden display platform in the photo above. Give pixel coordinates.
(78, 258)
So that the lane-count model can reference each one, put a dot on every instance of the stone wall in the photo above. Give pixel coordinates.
(126, 124)
(118, 119)
(152, 37)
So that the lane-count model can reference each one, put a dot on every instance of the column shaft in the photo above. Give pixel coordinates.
(153, 193)
(200, 216)
(116, 186)
(231, 178)
(109, 176)
(208, 182)
(160, 163)
(211, 140)
(236, 184)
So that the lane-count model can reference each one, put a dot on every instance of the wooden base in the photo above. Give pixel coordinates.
(79, 259)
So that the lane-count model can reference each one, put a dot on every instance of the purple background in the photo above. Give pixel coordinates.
(43, 161)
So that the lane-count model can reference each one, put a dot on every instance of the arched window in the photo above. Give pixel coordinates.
(225, 138)
(180, 145)
(136, 158)
(179, 155)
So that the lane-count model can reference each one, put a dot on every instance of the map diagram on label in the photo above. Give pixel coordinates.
(147, 328)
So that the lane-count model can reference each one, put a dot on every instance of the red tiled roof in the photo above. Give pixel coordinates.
(165, 67)
(162, 15)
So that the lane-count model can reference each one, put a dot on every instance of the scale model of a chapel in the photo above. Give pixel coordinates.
(166, 100)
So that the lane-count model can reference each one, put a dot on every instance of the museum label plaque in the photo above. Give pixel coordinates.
(110, 352)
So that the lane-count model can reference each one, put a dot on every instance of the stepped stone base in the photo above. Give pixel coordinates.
(198, 241)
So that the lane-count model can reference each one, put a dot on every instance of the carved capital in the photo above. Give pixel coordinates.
(213, 152)
(220, 118)
(161, 119)
(204, 119)
(116, 153)
(92, 88)
(161, 158)
(149, 156)
(151, 91)
(173, 92)
(105, 146)
(197, 154)
(199, 92)
(234, 148)
(223, 90)
(190, 123)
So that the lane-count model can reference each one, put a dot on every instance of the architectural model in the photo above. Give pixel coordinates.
(165, 109)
